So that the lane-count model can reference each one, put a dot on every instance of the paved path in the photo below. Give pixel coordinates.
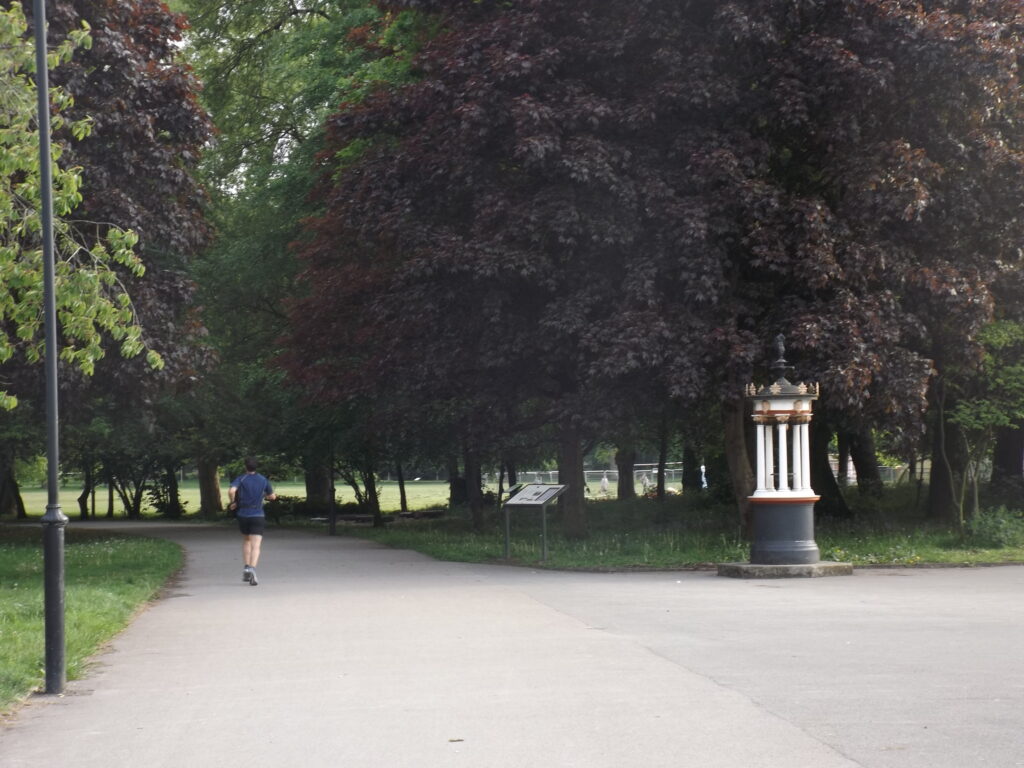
(350, 655)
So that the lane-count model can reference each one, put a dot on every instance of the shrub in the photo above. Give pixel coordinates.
(297, 508)
(164, 500)
(997, 527)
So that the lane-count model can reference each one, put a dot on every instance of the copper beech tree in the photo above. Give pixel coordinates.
(136, 163)
(576, 196)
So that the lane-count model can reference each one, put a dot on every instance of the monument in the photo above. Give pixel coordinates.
(782, 505)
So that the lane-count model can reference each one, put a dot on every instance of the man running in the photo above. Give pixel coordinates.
(246, 496)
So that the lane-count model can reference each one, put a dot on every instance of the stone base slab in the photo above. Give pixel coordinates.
(805, 571)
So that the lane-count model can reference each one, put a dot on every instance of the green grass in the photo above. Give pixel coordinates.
(420, 495)
(683, 534)
(923, 546)
(633, 534)
(107, 577)
(455, 540)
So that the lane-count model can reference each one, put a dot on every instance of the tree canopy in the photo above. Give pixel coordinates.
(522, 228)
(574, 194)
(91, 267)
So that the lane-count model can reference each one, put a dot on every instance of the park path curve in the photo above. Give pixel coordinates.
(353, 655)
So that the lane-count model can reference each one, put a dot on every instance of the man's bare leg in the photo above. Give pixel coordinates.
(254, 549)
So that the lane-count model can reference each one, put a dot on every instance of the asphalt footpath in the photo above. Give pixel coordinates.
(352, 655)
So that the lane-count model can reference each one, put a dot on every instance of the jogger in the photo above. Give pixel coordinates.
(246, 495)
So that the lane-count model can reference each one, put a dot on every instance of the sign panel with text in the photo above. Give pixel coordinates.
(535, 495)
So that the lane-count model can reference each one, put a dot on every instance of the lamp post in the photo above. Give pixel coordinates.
(54, 521)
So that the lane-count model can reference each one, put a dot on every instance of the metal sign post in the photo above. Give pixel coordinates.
(533, 496)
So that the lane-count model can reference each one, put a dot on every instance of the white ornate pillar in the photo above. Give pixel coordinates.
(783, 454)
(805, 454)
(761, 483)
(798, 463)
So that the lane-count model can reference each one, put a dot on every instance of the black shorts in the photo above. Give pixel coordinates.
(252, 526)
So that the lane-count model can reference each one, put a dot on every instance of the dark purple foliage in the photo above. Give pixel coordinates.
(578, 193)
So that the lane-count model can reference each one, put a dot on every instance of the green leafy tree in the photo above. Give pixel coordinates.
(274, 70)
(992, 400)
(92, 300)
(130, 130)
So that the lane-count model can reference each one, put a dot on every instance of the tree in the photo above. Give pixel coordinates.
(139, 163)
(92, 301)
(994, 401)
(607, 190)
(274, 71)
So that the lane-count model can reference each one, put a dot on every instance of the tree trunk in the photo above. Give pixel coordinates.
(513, 474)
(210, 502)
(473, 494)
(501, 489)
(843, 470)
(662, 460)
(625, 458)
(174, 508)
(691, 470)
(456, 485)
(865, 462)
(831, 503)
(134, 505)
(570, 474)
(88, 483)
(110, 494)
(948, 464)
(11, 503)
(403, 501)
(1008, 455)
(740, 472)
(372, 498)
(317, 476)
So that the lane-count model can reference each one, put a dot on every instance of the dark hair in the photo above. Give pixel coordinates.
(250, 464)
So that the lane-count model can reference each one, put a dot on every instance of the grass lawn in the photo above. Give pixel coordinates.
(455, 540)
(630, 535)
(421, 494)
(107, 578)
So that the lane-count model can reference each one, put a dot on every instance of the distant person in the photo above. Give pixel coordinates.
(246, 496)
(604, 484)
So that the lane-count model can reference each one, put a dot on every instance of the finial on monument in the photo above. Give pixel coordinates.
(780, 366)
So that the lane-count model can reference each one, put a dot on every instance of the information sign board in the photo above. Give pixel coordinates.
(535, 495)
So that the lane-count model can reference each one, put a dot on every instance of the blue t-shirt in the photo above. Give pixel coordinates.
(250, 492)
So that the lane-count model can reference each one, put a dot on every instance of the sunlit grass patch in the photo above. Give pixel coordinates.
(107, 577)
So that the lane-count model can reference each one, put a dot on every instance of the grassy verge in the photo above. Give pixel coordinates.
(455, 540)
(640, 534)
(107, 577)
(924, 546)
